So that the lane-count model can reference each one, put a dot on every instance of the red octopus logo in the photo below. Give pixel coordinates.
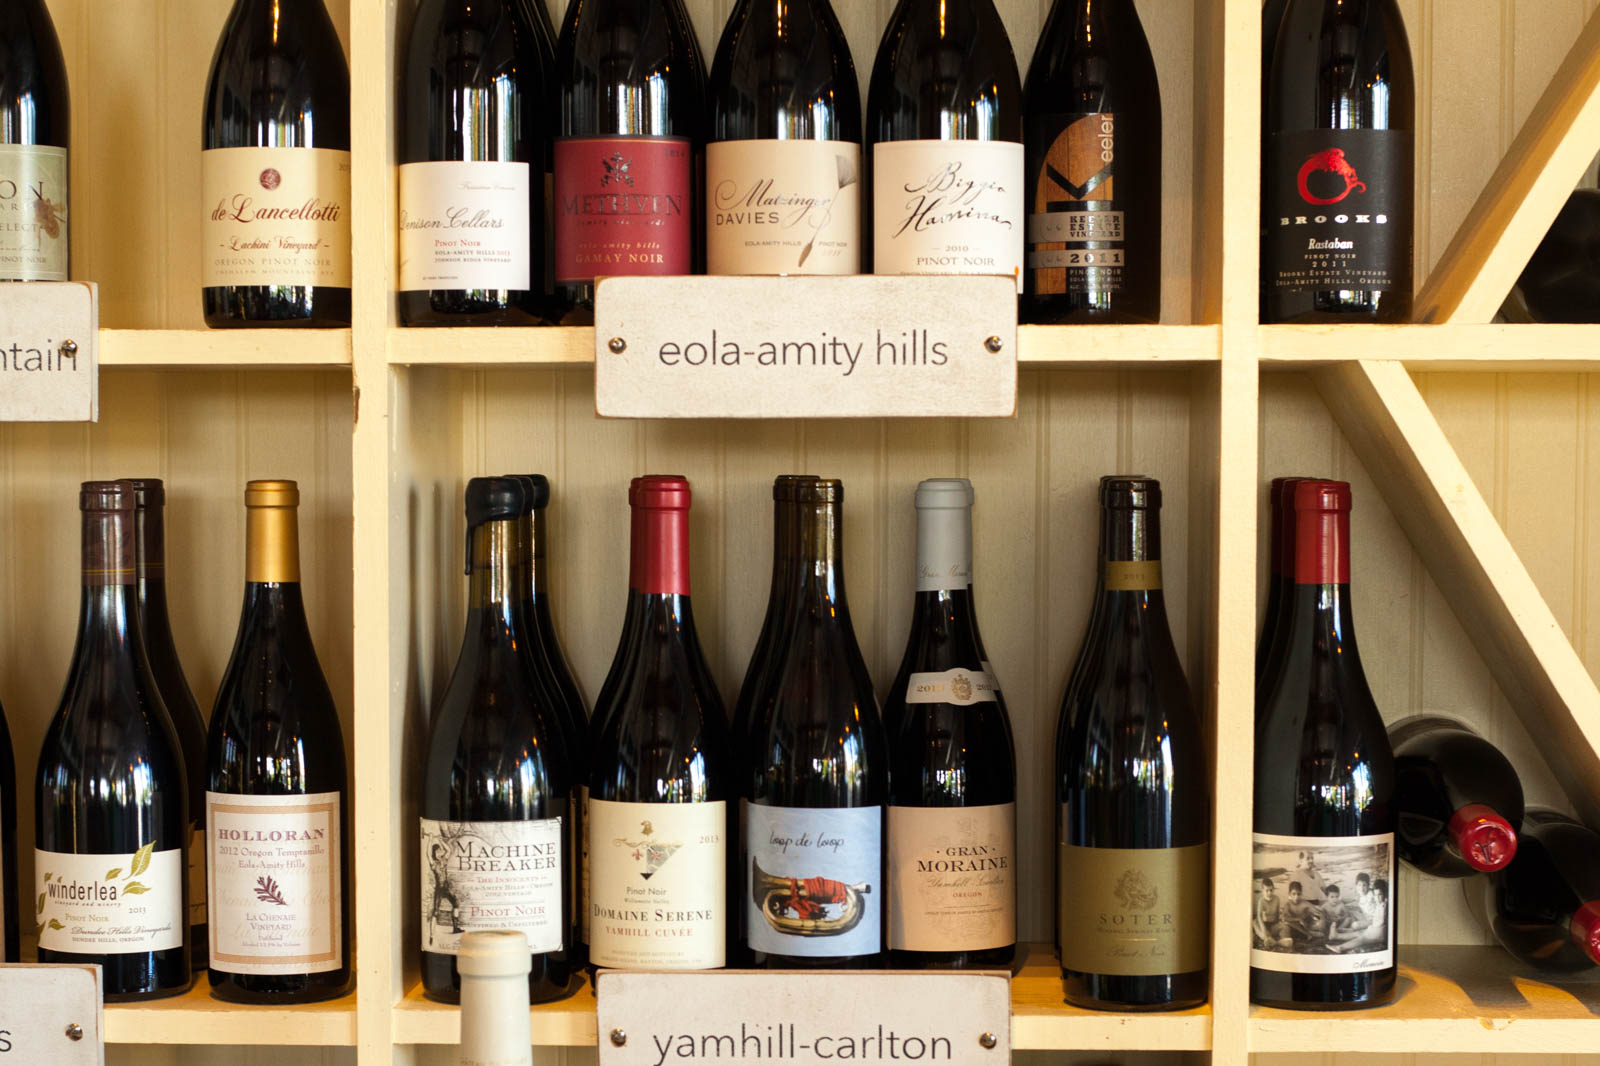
(1331, 161)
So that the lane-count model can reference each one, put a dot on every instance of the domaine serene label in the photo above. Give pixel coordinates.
(109, 904)
(783, 207)
(273, 867)
(951, 875)
(947, 207)
(815, 880)
(1075, 225)
(622, 207)
(962, 688)
(465, 225)
(1338, 210)
(1133, 912)
(275, 216)
(1322, 904)
(33, 213)
(1128, 576)
(658, 899)
(492, 875)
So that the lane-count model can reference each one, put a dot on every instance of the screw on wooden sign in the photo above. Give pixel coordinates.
(51, 1014)
(49, 352)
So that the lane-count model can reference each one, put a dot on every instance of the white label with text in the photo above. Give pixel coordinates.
(962, 688)
(33, 213)
(952, 880)
(109, 904)
(1322, 904)
(948, 207)
(783, 207)
(816, 880)
(492, 875)
(275, 216)
(465, 225)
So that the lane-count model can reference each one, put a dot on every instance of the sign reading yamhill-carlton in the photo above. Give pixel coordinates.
(806, 347)
(51, 1014)
(49, 351)
(818, 1018)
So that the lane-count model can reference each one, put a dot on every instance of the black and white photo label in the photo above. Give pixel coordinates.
(1322, 904)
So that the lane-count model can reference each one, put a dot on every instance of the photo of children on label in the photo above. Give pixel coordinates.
(1322, 904)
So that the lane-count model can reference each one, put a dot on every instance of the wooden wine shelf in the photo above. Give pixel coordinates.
(1444, 347)
(196, 1017)
(217, 349)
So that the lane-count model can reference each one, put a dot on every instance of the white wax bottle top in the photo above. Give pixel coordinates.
(495, 1026)
(944, 534)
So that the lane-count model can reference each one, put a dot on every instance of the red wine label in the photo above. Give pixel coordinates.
(33, 213)
(622, 207)
(1323, 904)
(816, 880)
(273, 867)
(961, 688)
(109, 904)
(947, 207)
(465, 225)
(1125, 576)
(492, 875)
(952, 877)
(1134, 912)
(275, 216)
(1337, 211)
(783, 207)
(659, 896)
(1075, 223)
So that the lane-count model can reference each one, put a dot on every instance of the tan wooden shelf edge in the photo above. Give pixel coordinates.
(218, 349)
(197, 1018)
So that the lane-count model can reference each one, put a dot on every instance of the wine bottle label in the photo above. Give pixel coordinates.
(275, 216)
(33, 213)
(492, 875)
(1337, 211)
(622, 207)
(815, 880)
(465, 225)
(584, 881)
(947, 207)
(115, 904)
(1323, 904)
(197, 875)
(659, 896)
(1134, 912)
(783, 207)
(273, 866)
(962, 688)
(952, 878)
(1124, 576)
(1075, 223)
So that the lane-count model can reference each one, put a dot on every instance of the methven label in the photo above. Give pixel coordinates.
(622, 207)
(952, 878)
(1075, 224)
(948, 207)
(783, 207)
(492, 875)
(815, 877)
(275, 216)
(1322, 904)
(109, 904)
(33, 213)
(1134, 912)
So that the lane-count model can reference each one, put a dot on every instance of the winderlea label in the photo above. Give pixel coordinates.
(1075, 223)
(492, 875)
(114, 904)
(1134, 912)
(952, 877)
(1322, 904)
(622, 207)
(33, 213)
(816, 880)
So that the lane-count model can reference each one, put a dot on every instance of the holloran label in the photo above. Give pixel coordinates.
(275, 216)
(1134, 912)
(962, 688)
(109, 904)
(952, 878)
(465, 225)
(816, 880)
(947, 207)
(1075, 225)
(622, 207)
(33, 213)
(783, 207)
(492, 875)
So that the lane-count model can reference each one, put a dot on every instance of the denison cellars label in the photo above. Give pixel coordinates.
(33, 213)
(1075, 224)
(1134, 912)
(783, 207)
(465, 225)
(1322, 904)
(273, 867)
(492, 875)
(947, 207)
(275, 216)
(109, 904)
(622, 207)
(816, 880)
(658, 897)
(952, 878)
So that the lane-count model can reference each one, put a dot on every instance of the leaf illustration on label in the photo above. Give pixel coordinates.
(134, 888)
(40, 908)
(111, 874)
(267, 892)
(56, 924)
(141, 859)
(47, 878)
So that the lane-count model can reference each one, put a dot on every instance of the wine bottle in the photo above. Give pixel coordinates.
(630, 97)
(111, 814)
(276, 777)
(1458, 798)
(817, 773)
(35, 121)
(783, 169)
(1544, 907)
(1323, 920)
(10, 930)
(1561, 282)
(1336, 226)
(496, 1028)
(952, 819)
(497, 777)
(473, 133)
(150, 554)
(1280, 583)
(659, 771)
(275, 170)
(1133, 786)
(1092, 116)
(944, 118)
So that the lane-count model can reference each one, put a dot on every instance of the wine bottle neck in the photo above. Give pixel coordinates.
(1483, 839)
(659, 554)
(944, 549)
(272, 544)
(1130, 535)
(820, 552)
(495, 567)
(538, 560)
(1321, 552)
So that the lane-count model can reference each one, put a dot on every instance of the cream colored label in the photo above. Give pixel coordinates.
(465, 225)
(273, 869)
(492, 875)
(109, 904)
(783, 207)
(962, 688)
(1134, 912)
(275, 216)
(197, 876)
(947, 207)
(952, 878)
(33, 213)
(1322, 904)
(1133, 577)
(658, 898)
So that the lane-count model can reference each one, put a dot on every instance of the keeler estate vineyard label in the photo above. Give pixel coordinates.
(951, 875)
(815, 877)
(947, 207)
(1075, 224)
(109, 904)
(273, 865)
(1323, 904)
(622, 206)
(1134, 912)
(465, 225)
(658, 900)
(33, 213)
(492, 875)
(783, 207)
(275, 216)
